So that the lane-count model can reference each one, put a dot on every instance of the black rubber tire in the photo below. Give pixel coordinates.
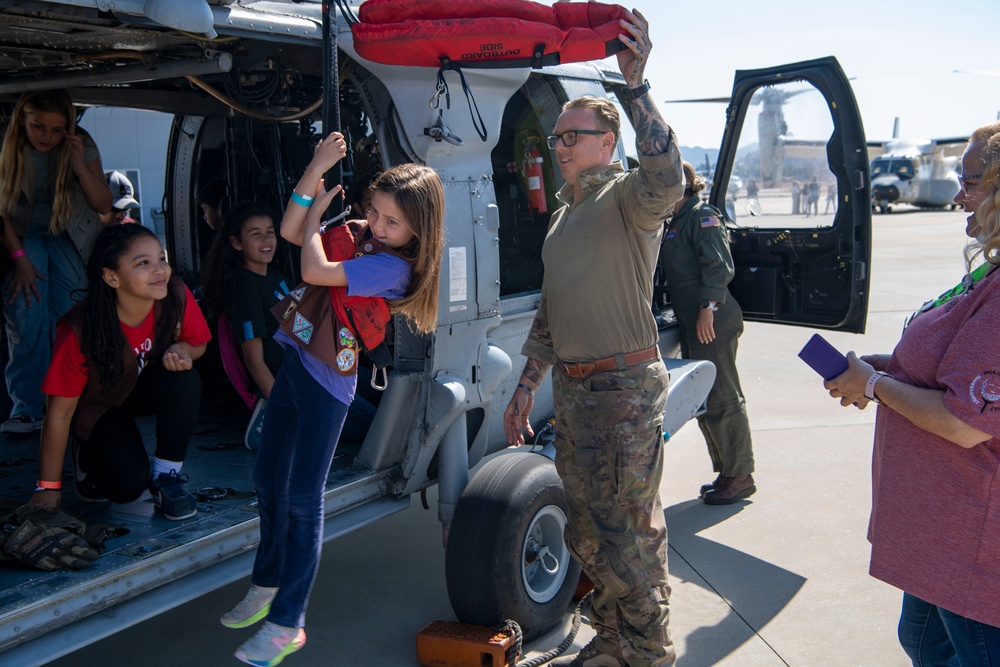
(488, 578)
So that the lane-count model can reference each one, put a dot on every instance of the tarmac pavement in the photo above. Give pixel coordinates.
(778, 579)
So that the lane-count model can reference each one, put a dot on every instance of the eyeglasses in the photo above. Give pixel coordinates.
(964, 181)
(569, 137)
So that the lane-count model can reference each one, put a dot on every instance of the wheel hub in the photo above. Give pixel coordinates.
(545, 558)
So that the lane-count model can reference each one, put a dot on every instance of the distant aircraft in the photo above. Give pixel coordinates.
(771, 129)
(921, 172)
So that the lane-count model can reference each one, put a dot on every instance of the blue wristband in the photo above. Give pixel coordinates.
(302, 200)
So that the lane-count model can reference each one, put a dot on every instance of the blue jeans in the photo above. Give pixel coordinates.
(297, 445)
(31, 329)
(935, 637)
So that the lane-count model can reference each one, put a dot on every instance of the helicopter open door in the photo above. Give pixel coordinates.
(792, 177)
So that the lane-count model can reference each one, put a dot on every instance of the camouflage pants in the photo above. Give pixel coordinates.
(609, 455)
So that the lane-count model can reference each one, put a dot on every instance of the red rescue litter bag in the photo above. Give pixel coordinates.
(486, 33)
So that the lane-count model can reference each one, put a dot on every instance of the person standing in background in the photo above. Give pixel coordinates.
(52, 193)
(123, 200)
(696, 259)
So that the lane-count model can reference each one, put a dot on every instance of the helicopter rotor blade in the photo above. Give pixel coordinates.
(725, 100)
(978, 72)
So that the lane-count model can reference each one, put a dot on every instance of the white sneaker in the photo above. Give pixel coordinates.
(21, 424)
(251, 608)
(272, 644)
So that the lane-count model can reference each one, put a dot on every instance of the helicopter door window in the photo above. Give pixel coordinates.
(904, 169)
(525, 182)
(781, 177)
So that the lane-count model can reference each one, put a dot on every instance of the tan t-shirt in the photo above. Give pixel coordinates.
(599, 256)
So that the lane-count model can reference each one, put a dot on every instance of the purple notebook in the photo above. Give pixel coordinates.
(823, 358)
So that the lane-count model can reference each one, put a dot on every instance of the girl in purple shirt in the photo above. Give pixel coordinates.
(310, 399)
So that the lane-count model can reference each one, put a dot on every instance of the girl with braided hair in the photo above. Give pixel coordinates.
(125, 350)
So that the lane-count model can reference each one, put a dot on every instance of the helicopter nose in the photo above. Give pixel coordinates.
(889, 193)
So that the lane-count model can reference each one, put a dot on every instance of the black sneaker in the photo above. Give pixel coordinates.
(86, 490)
(168, 493)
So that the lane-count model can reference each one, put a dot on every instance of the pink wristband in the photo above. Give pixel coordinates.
(21, 252)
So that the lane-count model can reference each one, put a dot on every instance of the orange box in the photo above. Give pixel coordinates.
(448, 644)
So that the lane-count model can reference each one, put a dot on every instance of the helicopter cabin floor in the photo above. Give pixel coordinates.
(220, 469)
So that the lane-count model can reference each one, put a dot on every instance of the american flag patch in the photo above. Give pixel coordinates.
(710, 221)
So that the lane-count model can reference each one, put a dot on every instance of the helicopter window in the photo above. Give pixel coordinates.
(904, 168)
(525, 184)
(880, 166)
(781, 177)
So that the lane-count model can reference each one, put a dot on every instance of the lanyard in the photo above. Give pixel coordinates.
(968, 282)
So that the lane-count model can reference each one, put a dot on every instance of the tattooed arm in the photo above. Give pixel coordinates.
(653, 135)
(538, 350)
(516, 417)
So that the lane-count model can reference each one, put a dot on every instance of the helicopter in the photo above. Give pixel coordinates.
(921, 172)
(250, 86)
(772, 129)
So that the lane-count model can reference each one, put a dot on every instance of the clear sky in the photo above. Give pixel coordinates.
(903, 55)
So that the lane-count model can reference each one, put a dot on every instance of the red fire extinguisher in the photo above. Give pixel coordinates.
(533, 175)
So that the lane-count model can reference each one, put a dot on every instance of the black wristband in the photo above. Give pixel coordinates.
(632, 94)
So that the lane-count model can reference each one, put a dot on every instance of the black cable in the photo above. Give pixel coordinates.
(348, 13)
(566, 643)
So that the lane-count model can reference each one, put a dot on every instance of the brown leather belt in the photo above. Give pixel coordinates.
(581, 369)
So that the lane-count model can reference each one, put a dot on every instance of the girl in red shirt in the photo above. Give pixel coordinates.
(125, 350)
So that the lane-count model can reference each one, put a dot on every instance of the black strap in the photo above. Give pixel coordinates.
(380, 354)
(442, 84)
(346, 12)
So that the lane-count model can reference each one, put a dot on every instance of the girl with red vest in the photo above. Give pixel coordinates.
(396, 263)
(125, 350)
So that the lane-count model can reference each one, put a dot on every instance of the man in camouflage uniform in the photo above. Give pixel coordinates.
(595, 327)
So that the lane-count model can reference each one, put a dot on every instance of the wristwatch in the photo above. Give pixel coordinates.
(706, 304)
(870, 387)
(632, 94)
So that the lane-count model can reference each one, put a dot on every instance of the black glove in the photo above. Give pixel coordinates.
(49, 548)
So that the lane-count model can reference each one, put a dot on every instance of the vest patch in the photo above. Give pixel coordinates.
(302, 328)
(347, 339)
(346, 359)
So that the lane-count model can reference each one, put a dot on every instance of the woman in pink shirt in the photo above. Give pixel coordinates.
(935, 522)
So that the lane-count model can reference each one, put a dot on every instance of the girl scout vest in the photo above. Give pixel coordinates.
(95, 401)
(329, 324)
